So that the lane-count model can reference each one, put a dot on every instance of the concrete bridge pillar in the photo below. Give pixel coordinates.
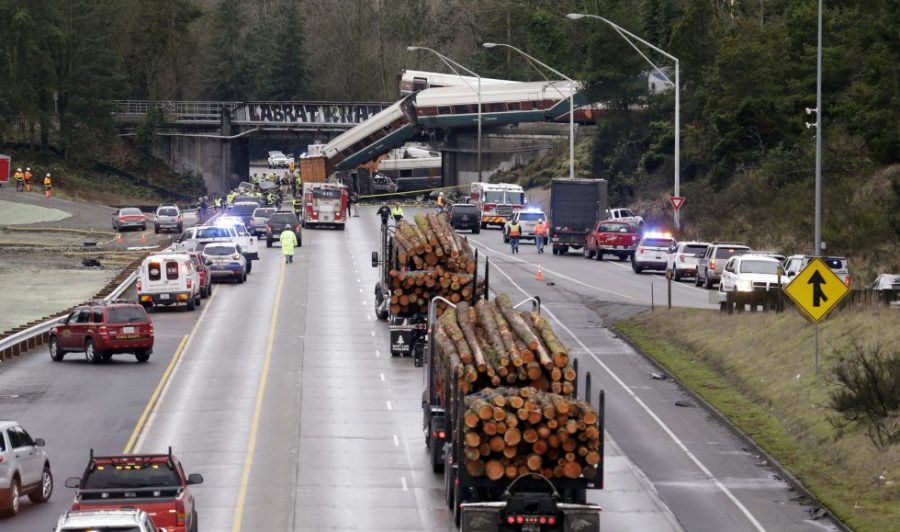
(502, 148)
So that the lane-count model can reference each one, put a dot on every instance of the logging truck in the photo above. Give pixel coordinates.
(503, 421)
(420, 260)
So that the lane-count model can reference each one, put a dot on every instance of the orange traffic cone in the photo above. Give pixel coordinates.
(143, 238)
(119, 238)
(540, 274)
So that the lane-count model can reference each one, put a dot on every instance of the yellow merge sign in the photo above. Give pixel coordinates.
(816, 290)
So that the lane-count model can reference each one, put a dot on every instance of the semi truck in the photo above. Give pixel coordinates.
(575, 207)
(407, 329)
(529, 502)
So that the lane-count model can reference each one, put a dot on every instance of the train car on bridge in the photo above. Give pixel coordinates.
(416, 80)
(365, 142)
(500, 104)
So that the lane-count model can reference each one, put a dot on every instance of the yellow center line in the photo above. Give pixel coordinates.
(135, 434)
(257, 411)
(163, 381)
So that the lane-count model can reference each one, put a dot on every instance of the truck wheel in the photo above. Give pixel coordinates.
(636, 268)
(587, 253)
(622, 258)
(598, 256)
(195, 525)
(192, 304)
(675, 275)
(437, 460)
(143, 355)
(707, 283)
(697, 278)
(156, 229)
(476, 230)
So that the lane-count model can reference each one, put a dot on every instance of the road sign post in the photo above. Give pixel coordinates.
(816, 290)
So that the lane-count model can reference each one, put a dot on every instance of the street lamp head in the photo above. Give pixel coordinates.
(489, 45)
(574, 16)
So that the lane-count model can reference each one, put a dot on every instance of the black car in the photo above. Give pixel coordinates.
(465, 216)
(280, 221)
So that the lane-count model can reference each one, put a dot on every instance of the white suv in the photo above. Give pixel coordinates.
(24, 468)
(169, 217)
(795, 264)
(278, 159)
(130, 520)
(652, 252)
(684, 258)
(751, 279)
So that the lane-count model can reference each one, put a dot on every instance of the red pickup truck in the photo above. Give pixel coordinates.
(154, 483)
(612, 237)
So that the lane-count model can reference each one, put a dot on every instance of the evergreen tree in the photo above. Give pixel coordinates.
(287, 73)
(227, 75)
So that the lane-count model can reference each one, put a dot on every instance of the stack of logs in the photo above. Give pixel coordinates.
(491, 344)
(432, 261)
(513, 431)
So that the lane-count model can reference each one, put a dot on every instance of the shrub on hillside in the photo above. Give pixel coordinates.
(868, 392)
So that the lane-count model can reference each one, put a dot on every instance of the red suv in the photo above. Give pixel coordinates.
(203, 270)
(102, 329)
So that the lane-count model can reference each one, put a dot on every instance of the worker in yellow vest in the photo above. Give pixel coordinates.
(515, 231)
(48, 186)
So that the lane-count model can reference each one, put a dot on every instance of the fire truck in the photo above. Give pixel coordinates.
(323, 204)
(496, 201)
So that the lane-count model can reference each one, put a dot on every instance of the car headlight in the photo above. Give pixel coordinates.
(744, 285)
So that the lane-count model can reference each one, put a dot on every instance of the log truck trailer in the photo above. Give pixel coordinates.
(528, 503)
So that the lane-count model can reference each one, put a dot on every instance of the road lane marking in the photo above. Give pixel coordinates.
(382, 376)
(743, 509)
(389, 407)
(396, 441)
(257, 409)
(556, 273)
(154, 397)
(403, 483)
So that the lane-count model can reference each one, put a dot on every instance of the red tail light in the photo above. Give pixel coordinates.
(681, 258)
(138, 285)
(551, 520)
(1, 458)
(712, 263)
(103, 330)
(189, 282)
(511, 520)
(641, 250)
(847, 280)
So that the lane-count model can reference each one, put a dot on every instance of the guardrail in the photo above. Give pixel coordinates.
(35, 335)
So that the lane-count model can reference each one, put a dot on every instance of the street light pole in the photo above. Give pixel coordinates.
(818, 229)
(572, 85)
(625, 34)
(450, 62)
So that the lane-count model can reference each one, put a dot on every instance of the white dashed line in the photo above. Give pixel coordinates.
(377, 353)
(396, 441)
(382, 376)
(373, 333)
(403, 483)
(389, 407)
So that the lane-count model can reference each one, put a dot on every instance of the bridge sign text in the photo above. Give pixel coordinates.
(306, 114)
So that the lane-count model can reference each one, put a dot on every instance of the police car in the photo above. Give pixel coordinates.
(652, 252)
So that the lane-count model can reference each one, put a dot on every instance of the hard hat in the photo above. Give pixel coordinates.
(48, 175)
(440, 193)
(28, 169)
(18, 169)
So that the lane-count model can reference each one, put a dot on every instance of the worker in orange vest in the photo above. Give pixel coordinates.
(541, 229)
(48, 186)
(28, 179)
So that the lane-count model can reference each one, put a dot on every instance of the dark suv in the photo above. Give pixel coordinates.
(280, 221)
(465, 216)
(102, 329)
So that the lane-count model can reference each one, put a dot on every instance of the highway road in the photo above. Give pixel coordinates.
(282, 393)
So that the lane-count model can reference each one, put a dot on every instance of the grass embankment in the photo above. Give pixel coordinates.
(757, 369)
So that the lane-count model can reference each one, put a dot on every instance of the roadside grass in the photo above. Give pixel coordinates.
(758, 370)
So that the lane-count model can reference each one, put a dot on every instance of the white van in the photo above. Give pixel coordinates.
(167, 279)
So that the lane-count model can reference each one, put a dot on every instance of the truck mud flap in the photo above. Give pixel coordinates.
(401, 342)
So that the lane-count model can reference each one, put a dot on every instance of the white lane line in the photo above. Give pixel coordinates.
(396, 441)
(403, 483)
(556, 273)
(382, 376)
(649, 412)
(377, 353)
(389, 407)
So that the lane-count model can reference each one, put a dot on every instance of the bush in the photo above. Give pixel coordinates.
(868, 392)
